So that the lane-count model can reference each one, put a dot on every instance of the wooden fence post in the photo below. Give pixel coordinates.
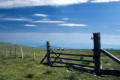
(34, 54)
(21, 53)
(97, 53)
(48, 52)
(15, 52)
(0, 51)
(6, 52)
(10, 51)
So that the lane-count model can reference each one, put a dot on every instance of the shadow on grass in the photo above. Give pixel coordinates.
(30, 76)
(71, 68)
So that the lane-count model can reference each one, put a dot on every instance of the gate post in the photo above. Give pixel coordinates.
(97, 53)
(48, 52)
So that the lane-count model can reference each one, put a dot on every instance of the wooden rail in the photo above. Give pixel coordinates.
(111, 56)
(72, 54)
(90, 61)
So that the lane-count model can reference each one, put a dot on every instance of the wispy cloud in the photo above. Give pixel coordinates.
(16, 19)
(30, 25)
(48, 21)
(1, 15)
(41, 15)
(73, 25)
(65, 19)
(25, 3)
(103, 1)
(44, 20)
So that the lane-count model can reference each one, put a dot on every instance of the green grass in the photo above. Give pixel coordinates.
(14, 68)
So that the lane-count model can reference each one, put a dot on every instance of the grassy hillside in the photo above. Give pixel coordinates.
(14, 68)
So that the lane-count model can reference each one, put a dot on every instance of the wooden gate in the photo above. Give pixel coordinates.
(96, 58)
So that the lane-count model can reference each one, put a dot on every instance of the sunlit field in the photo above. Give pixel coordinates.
(13, 67)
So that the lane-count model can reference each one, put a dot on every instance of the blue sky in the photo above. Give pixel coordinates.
(66, 23)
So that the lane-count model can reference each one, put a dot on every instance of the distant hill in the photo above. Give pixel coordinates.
(6, 44)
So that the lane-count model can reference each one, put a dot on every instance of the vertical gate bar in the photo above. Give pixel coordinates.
(48, 52)
(97, 53)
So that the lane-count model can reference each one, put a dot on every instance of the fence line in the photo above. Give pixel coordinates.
(18, 52)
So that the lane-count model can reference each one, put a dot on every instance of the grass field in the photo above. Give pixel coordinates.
(14, 68)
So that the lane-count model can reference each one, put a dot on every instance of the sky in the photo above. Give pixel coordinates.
(65, 23)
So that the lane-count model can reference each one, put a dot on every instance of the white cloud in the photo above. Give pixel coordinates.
(48, 21)
(73, 25)
(30, 25)
(65, 19)
(102, 1)
(16, 19)
(44, 20)
(41, 15)
(25, 3)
